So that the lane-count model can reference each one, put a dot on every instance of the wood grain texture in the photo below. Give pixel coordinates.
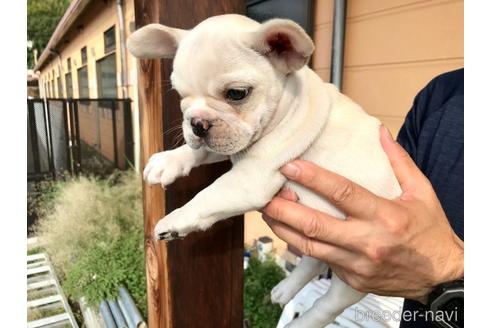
(198, 281)
(150, 101)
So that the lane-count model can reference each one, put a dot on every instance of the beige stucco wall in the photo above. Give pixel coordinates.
(393, 48)
(255, 227)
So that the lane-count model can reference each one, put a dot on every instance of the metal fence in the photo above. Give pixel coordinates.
(38, 157)
(70, 136)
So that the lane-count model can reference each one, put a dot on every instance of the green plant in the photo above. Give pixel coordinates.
(42, 18)
(99, 273)
(259, 279)
(80, 213)
(92, 229)
(41, 196)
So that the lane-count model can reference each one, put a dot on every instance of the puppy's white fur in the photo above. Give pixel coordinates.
(290, 113)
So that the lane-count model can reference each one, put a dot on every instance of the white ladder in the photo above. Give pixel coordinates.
(41, 276)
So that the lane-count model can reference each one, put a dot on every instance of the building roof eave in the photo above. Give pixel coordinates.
(73, 12)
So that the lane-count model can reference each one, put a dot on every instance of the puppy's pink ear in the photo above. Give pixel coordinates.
(155, 41)
(284, 42)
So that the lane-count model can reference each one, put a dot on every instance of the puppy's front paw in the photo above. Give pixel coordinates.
(165, 167)
(175, 225)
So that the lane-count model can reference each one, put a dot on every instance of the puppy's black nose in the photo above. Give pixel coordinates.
(200, 127)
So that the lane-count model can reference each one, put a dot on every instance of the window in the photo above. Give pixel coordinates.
(300, 11)
(69, 64)
(83, 82)
(109, 40)
(106, 77)
(69, 85)
(59, 87)
(83, 55)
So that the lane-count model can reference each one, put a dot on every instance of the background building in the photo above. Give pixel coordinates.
(86, 57)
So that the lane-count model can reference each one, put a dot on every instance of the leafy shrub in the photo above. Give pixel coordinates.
(259, 279)
(41, 198)
(92, 230)
(103, 268)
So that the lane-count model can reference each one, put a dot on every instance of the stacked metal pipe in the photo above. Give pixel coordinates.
(122, 312)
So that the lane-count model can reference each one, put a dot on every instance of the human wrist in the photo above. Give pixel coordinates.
(453, 269)
(454, 266)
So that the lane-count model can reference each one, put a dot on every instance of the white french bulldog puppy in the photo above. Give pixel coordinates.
(248, 96)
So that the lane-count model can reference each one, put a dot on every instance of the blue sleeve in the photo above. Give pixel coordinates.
(428, 102)
(433, 136)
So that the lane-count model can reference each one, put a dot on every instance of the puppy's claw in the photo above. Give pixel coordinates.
(169, 235)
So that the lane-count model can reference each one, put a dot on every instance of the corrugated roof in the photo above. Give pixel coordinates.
(73, 12)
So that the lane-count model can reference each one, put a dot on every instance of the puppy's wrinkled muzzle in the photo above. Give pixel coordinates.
(200, 127)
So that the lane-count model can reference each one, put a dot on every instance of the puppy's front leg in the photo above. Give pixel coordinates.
(245, 187)
(167, 166)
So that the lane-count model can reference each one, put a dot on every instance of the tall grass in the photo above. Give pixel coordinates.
(79, 213)
(92, 230)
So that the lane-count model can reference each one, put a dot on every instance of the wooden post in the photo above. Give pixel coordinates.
(198, 281)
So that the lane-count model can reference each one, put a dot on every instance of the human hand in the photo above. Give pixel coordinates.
(402, 247)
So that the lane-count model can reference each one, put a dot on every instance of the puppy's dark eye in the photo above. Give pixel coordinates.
(237, 94)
